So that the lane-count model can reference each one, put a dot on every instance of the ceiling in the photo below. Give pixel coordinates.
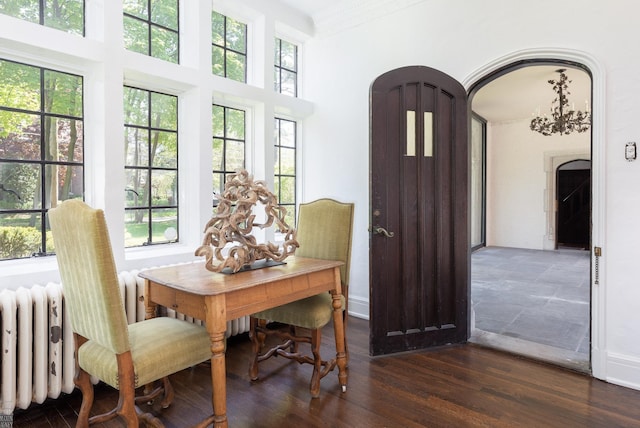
(520, 93)
(312, 7)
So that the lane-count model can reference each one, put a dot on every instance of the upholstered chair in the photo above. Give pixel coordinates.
(324, 231)
(124, 356)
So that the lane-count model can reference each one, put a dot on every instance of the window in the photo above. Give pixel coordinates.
(65, 15)
(286, 68)
(285, 167)
(229, 47)
(151, 28)
(228, 145)
(151, 166)
(41, 153)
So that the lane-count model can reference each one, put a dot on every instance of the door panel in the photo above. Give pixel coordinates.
(419, 293)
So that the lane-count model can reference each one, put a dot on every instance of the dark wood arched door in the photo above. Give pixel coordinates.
(419, 246)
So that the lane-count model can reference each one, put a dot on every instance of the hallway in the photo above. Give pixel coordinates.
(534, 303)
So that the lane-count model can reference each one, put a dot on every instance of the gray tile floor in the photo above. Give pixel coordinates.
(532, 296)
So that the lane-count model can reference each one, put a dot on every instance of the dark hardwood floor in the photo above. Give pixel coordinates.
(457, 386)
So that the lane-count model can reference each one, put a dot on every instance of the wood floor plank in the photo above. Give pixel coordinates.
(456, 386)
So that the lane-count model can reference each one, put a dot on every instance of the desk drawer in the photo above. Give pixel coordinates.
(189, 304)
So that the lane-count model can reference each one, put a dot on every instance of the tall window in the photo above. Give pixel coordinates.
(41, 153)
(286, 68)
(228, 145)
(285, 167)
(229, 47)
(151, 166)
(65, 15)
(151, 28)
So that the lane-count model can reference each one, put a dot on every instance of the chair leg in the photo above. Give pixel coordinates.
(316, 338)
(83, 381)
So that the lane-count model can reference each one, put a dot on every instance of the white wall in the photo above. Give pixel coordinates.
(460, 37)
(517, 192)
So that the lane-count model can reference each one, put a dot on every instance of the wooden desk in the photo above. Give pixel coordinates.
(217, 298)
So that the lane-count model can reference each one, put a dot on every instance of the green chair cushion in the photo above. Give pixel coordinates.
(307, 313)
(154, 351)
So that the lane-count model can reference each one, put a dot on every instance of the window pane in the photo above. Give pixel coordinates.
(288, 57)
(217, 29)
(276, 79)
(218, 154)
(19, 136)
(136, 147)
(65, 183)
(217, 61)
(20, 235)
(135, 187)
(236, 65)
(20, 183)
(62, 93)
(235, 124)
(235, 155)
(136, 7)
(19, 86)
(287, 190)
(165, 149)
(27, 10)
(288, 83)
(164, 185)
(164, 111)
(236, 35)
(136, 227)
(67, 15)
(287, 133)
(64, 140)
(136, 35)
(218, 121)
(165, 13)
(164, 225)
(164, 44)
(218, 185)
(287, 161)
(136, 107)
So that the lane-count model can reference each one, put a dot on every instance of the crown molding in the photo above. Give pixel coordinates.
(352, 13)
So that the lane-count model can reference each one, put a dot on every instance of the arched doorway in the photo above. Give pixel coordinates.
(522, 215)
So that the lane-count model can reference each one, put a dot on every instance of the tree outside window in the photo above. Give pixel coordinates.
(151, 167)
(151, 28)
(65, 15)
(228, 47)
(41, 153)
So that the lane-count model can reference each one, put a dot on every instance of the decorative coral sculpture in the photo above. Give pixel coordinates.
(234, 221)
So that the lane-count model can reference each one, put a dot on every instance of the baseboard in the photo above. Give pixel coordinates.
(358, 307)
(623, 370)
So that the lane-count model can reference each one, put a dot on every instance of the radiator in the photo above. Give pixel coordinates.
(37, 347)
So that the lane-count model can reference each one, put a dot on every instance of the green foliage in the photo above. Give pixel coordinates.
(19, 242)
(229, 47)
(154, 19)
(65, 15)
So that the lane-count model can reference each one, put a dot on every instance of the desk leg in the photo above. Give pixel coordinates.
(338, 328)
(216, 326)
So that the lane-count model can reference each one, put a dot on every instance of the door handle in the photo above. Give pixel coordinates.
(379, 230)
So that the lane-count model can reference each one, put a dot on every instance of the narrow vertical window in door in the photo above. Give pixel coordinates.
(428, 134)
(411, 133)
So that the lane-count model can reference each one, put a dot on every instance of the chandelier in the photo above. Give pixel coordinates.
(564, 119)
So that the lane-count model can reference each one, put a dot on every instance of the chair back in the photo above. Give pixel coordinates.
(324, 231)
(88, 273)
